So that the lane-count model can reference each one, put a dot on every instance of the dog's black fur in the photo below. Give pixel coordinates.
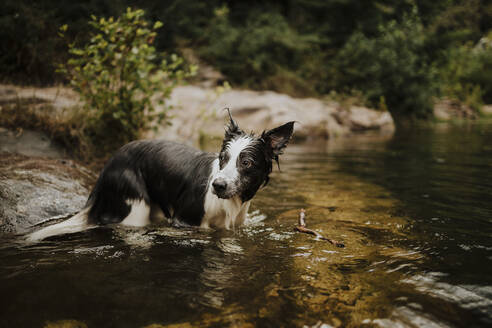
(165, 173)
(175, 176)
(188, 185)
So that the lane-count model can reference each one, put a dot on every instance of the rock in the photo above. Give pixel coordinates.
(362, 119)
(448, 109)
(206, 76)
(209, 77)
(36, 189)
(58, 97)
(199, 111)
(29, 143)
(441, 111)
(487, 109)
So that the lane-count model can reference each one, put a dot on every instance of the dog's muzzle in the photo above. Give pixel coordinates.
(219, 186)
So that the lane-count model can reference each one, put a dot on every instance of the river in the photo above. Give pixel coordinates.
(414, 211)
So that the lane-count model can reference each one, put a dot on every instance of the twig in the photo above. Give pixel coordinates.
(301, 227)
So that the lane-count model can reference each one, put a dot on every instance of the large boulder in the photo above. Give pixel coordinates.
(199, 112)
(34, 189)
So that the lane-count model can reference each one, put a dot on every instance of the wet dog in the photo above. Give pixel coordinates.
(181, 183)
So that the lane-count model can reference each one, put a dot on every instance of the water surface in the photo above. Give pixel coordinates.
(414, 210)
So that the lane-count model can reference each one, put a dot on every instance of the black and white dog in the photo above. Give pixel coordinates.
(146, 179)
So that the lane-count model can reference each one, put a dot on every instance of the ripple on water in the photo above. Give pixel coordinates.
(478, 298)
(280, 236)
(255, 218)
(230, 245)
(408, 316)
(96, 251)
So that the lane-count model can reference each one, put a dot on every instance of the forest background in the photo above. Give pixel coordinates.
(393, 55)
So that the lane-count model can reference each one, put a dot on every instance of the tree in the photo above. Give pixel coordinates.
(392, 65)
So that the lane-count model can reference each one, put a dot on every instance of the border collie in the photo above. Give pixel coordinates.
(148, 179)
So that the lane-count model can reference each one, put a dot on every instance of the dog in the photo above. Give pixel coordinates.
(148, 179)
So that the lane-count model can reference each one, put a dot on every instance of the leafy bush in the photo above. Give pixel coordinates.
(118, 74)
(263, 52)
(297, 47)
(30, 48)
(391, 65)
(466, 75)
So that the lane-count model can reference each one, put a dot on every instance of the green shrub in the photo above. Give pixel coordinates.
(467, 74)
(30, 49)
(461, 62)
(262, 52)
(119, 75)
(391, 65)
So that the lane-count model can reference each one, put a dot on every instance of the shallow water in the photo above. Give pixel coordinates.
(414, 210)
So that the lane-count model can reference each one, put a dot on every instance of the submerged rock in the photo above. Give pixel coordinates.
(34, 189)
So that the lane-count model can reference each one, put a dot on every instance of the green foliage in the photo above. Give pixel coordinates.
(300, 47)
(265, 49)
(119, 74)
(391, 65)
(30, 48)
(467, 74)
(457, 23)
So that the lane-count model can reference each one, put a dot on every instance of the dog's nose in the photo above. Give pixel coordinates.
(219, 185)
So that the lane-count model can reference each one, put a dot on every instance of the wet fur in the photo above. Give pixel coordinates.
(146, 175)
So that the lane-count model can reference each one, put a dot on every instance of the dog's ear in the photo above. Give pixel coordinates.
(232, 128)
(277, 139)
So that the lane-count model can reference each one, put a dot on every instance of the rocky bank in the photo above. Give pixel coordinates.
(34, 189)
(200, 112)
(37, 181)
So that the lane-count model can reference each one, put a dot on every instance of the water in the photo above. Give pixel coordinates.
(414, 210)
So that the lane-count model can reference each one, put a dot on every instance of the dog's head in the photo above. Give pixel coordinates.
(245, 160)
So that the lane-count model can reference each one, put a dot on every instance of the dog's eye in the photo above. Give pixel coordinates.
(247, 163)
(223, 158)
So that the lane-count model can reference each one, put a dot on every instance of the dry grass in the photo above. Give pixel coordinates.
(66, 127)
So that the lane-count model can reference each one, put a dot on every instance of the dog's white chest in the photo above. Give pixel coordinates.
(224, 213)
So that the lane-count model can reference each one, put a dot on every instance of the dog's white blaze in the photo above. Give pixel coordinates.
(76, 223)
(230, 172)
(139, 215)
(222, 213)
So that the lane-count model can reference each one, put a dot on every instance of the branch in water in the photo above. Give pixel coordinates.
(301, 227)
